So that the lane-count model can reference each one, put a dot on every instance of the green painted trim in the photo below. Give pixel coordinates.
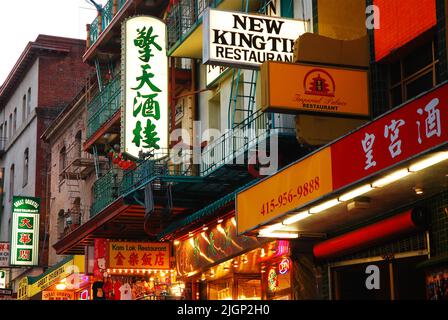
(32, 280)
(287, 8)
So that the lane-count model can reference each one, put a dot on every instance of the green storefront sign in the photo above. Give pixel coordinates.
(25, 231)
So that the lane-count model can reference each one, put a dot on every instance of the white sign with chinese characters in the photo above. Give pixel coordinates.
(145, 87)
(247, 40)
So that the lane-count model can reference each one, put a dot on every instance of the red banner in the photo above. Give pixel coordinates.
(397, 136)
(100, 257)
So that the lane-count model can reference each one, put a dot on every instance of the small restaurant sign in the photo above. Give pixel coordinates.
(138, 255)
(296, 88)
(25, 231)
(58, 295)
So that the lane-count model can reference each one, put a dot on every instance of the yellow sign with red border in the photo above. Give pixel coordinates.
(317, 89)
(58, 295)
(139, 255)
(290, 188)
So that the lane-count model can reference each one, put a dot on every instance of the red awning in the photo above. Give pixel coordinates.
(371, 235)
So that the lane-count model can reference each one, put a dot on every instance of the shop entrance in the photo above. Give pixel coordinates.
(399, 279)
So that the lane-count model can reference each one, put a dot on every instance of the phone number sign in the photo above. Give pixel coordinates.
(299, 184)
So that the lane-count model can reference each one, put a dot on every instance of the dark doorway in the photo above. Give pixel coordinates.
(399, 280)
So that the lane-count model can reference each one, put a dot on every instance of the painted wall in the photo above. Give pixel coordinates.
(23, 138)
(343, 20)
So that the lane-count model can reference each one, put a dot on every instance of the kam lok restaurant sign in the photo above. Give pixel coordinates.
(406, 132)
(247, 40)
(145, 86)
(139, 255)
(25, 231)
(306, 88)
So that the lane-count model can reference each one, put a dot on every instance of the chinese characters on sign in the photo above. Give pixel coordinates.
(404, 133)
(392, 131)
(146, 86)
(25, 231)
(397, 136)
(139, 255)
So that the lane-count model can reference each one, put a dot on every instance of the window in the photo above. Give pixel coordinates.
(28, 102)
(11, 182)
(15, 121)
(25, 166)
(78, 140)
(10, 126)
(23, 108)
(413, 74)
(62, 160)
(5, 134)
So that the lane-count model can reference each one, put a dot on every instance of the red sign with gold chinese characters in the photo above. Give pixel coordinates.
(400, 135)
(139, 255)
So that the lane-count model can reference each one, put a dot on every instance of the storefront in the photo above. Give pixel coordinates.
(387, 251)
(64, 281)
(380, 210)
(125, 270)
(216, 264)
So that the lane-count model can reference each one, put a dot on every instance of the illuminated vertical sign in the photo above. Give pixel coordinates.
(145, 87)
(25, 231)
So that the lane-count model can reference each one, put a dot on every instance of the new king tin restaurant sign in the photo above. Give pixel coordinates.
(234, 38)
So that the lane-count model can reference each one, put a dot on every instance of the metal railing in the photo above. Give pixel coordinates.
(94, 32)
(184, 15)
(246, 135)
(106, 190)
(234, 143)
(104, 105)
(166, 166)
(107, 16)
